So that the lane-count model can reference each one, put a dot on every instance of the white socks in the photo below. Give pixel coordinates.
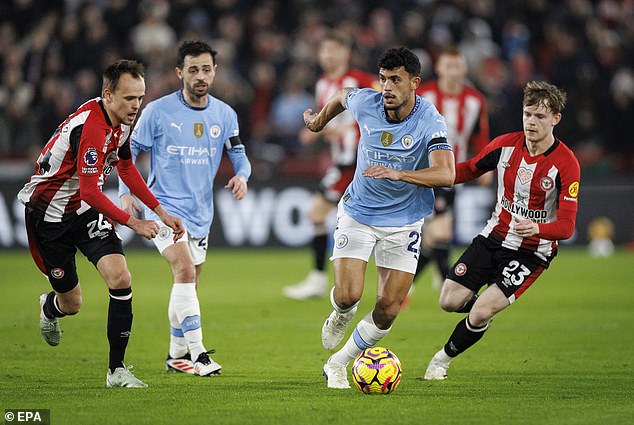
(178, 345)
(365, 335)
(184, 315)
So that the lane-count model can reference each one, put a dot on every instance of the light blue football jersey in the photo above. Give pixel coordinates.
(186, 147)
(402, 145)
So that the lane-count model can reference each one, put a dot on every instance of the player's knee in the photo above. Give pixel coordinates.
(184, 271)
(480, 316)
(449, 303)
(346, 297)
(384, 316)
(120, 280)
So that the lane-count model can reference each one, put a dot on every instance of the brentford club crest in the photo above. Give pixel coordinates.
(460, 269)
(57, 273)
(546, 183)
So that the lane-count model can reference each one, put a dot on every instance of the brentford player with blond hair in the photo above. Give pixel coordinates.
(538, 184)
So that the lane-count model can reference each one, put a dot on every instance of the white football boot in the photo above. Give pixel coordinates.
(49, 328)
(314, 286)
(437, 368)
(334, 328)
(182, 364)
(336, 375)
(123, 377)
(205, 366)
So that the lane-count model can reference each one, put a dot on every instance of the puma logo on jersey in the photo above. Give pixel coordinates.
(178, 126)
(368, 129)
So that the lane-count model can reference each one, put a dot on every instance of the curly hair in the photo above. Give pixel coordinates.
(397, 57)
(543, 93)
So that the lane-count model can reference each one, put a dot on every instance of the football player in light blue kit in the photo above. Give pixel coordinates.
(185, 133)
(403, 153)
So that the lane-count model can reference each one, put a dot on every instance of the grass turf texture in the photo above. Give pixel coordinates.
(561, 355)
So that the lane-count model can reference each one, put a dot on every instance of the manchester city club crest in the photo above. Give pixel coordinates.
(164, 233)
(341, 241)
(215, 131)
(407, 141)
(387, 138)
(199, 129)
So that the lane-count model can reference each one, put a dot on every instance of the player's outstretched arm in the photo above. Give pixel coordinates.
(336, 104)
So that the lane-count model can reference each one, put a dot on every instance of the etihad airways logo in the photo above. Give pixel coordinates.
(190, 151)
(192, 154)
(372, 154)
(538, 216)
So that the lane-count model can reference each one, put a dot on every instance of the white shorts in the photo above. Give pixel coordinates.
(197, 246)
(394, 247)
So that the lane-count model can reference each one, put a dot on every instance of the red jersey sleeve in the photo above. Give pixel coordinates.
(569, 177)
(486, 160)
(90, 160)
(133, 179)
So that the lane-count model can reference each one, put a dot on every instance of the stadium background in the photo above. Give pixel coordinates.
(52, 53)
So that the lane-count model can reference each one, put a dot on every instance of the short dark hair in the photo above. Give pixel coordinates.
(542, 93)
(397, 57)
(113, 73)
(194, 48)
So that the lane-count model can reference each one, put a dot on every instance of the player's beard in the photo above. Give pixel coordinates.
(197, 91)
(393, 106)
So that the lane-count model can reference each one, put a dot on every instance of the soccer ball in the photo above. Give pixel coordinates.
(376, 370)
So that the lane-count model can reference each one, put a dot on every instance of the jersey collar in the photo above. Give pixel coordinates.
(180, 96)
(410, 115)
(105, 113)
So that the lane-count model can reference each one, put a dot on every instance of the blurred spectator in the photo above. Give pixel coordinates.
(153, 36)
(51, 49)
(288, 108)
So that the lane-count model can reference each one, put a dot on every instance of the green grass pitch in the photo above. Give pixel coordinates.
(561, 355)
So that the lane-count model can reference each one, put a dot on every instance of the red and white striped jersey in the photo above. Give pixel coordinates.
(465, 115)
(342, 132)
(85, 144)
(543, 188)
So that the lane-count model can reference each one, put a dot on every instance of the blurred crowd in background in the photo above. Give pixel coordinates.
(52, 53)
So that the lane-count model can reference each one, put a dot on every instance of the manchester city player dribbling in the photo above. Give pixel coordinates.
(403, 152)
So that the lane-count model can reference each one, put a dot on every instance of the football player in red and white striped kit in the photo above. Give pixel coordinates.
(66, 210)
(464, 109)
(538, 185)
(342, 134)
